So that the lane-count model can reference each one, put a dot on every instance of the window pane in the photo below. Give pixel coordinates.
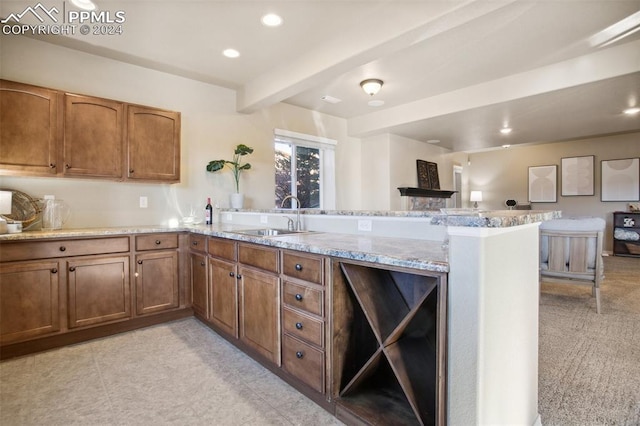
(308, 176)
(283, 172)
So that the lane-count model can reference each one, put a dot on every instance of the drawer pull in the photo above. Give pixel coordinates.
(231, 274)
(139, 262)
(299, 325)
(54, 270)
(158, 242)
(298, 267)
(63, 248)
(72, 269)
(299, 297)
(299, 354)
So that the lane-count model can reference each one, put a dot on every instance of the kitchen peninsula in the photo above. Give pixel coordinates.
(472, 277)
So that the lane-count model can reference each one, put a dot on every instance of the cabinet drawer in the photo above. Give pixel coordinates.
(305, 328)
(49, 249)
(261, 257)
(302, 297)
(156, 241)
(198, 242)
(224, 249)
(307, 268)
(304, 362)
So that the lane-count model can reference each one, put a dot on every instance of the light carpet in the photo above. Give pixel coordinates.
(589, 363)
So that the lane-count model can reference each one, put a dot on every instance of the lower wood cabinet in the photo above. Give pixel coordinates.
(29, 300)
(223, 288)
(156, 282)
(258, 303)
(199, 286)
(98, 290)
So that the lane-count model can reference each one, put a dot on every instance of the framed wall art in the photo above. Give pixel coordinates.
(543, 181)
(577, 176)
(428, 175)
(620, 180)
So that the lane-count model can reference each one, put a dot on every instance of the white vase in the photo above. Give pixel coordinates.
(236, 200)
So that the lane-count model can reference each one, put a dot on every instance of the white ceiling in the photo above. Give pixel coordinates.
(455, 71)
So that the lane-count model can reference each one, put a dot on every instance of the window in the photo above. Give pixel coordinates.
(304, 167)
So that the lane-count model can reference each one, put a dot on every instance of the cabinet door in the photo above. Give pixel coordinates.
(258, 308)
(199, 293)
(30, 130)
(99, 290)
(156, 281)
(153, 144)
(28, 300)
(223, 295)
(93, 131)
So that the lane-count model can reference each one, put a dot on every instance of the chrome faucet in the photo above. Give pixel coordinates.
(298, 225)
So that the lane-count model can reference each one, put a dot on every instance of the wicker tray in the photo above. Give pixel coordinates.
(23, 208)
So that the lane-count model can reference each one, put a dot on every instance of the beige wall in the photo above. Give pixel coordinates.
(210, 130)
(503, 174)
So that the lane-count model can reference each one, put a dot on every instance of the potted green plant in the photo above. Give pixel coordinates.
(237, 198)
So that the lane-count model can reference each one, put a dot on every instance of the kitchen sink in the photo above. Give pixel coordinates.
(268, 232)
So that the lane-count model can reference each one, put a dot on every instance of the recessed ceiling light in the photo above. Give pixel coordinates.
(330, 99)
(271, 20)
(84, 4)
(376, 103)
(505, 130)
(631, 111)
(231, 53)
(506, 145)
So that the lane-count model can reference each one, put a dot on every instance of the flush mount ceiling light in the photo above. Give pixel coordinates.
(271, 20)
(231, 53)
(84, 4)
(632, 111)
(505, 130)
(433, 141)
(331, 99)
(371, 86)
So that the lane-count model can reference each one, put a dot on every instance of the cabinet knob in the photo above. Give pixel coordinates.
(298, 267)
(239, 276)
(63, 248)
(54, 270)
(139, 262)
(299, 325)
(195, 243)
(231, 274)
(52, 166)
(67, 166)
(158, 242)
(201, 263)
(299, 354)
(130, 170)
(72, 269)
(298, 297)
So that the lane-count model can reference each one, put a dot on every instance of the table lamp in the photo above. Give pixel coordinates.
(475, 197)
(5, 208)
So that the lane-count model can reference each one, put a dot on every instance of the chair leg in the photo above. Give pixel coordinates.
(597, 291)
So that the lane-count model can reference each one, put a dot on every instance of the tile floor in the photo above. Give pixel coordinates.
(175, 373)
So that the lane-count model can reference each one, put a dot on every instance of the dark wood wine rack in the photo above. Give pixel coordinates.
(389, 345)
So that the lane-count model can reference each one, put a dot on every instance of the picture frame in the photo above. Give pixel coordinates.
(577, 176)
(620, 179)
(427, 175)
(543, 184)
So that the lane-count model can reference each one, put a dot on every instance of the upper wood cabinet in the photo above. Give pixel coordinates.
(48, 133)
(153, 144)
(93, 131)
(29, 119)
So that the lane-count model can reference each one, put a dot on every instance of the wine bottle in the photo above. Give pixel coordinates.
(208, 212)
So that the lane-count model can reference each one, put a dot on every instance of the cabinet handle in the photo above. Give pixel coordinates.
(63, 248)
(158, 242)
(67, 166)
(298, 297)
(52, 166)
(231, 274)
(299, 354)
(72, 269)
(54, 270)
(299, 325)
(298, 267)
(139, 262)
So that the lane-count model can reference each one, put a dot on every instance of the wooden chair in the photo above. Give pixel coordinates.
(571, 252)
